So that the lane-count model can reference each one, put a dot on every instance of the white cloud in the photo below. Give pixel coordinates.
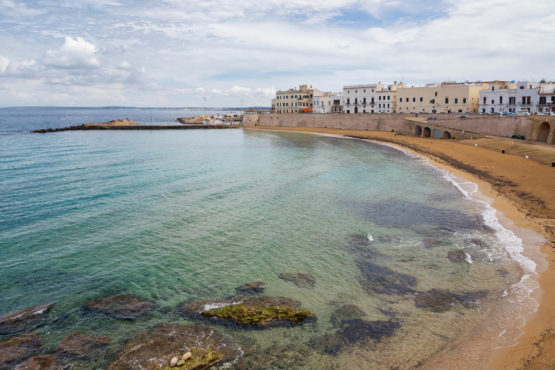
(9, 8)
(4, 62)
(74, 53)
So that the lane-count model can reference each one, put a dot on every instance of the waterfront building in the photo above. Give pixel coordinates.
(322, 102)
(337, 103)
(446, 97)
(523, 97)
(370, 98)
(294, 100)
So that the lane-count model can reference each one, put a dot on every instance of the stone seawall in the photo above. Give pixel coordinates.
(537, 128)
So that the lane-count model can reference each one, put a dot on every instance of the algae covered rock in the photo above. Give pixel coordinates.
(456, 256)
(19, 348)
(82, 345)
(301, 279)
(120, 306)
(382, 280)
(249, 311)
(40, 362)
(255, 287)
(346, 312)
(442, 300)
(24, 319)
(156, 347)
(357, 330)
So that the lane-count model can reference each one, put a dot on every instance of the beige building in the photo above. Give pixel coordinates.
(294, 100)
(446, 97)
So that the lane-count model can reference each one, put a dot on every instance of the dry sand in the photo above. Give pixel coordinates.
(523, 190)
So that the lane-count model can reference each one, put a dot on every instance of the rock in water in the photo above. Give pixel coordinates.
(24, 319)
(255, 287)
(155, 348)
(82, 345)
(302, 280)
(435, 300)
(19, 348)
(382, 280)
(174, 361)
(357, 330)
(346, 312)
(40, 362)
(259, 312)
(456, 256)
(120, 306)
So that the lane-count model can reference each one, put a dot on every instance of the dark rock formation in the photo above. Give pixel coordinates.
(155, 348)
(255, 287)
(82, 345)
(302, 280)
(346, 312)
(19, 348)
(380, 279)
(24, 319)
(258, 312)
(357, 330)
(40, 362)
(442, 300)
(121, 306)
(432, 243)
(456, 256)
(359, 239)
(329, 344)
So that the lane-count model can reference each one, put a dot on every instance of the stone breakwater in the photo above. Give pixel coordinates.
(86, 127)
(536, 128)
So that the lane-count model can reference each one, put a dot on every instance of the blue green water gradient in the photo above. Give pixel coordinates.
(175, 216)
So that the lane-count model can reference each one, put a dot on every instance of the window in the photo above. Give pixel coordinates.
(484, 100)
(388, 97)
(500, 100)
(407, 100)
(446, 100)
(456, 100)
(400, 100)
(464, 100)
(413, 100)
(432, 101)
(493, 88)
(421, 99)
(435, 94)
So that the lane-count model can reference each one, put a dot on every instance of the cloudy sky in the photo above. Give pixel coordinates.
(175, 52)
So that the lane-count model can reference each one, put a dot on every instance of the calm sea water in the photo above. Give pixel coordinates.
(174, 216)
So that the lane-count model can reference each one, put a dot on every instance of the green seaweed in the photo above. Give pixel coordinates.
(201, 358)
(259, 316)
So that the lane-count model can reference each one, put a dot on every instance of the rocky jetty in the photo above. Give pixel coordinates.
(82, 345)
(104, 126)
(300, 279)
(249, 312)
(183, 346)
(25, 319)
(19, 348)
(120, 306)
(255, 287)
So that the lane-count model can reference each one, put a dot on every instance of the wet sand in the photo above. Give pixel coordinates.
(522, 190)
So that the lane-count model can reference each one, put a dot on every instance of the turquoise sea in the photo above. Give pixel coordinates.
(173, 216)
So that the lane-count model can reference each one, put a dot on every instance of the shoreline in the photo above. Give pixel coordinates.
(525, 215)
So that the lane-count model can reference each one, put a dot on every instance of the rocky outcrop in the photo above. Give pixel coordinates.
(300, 279)
(255, 287)
(253, 312)
(82, 345)
(24, 319)
(19, 348)
(357, 330)
(120, 306)
(40, 362)
(442, 300)
(156, 348)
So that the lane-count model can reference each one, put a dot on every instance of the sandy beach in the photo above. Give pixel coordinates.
(522, 190)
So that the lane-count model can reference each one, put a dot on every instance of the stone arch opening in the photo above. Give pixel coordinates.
(427, 132)
(446, 135)
(418, 130)
(543, 131)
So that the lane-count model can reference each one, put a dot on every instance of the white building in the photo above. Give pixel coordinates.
(337, 103)
(322, 102)
(522, 97)
(371, 98)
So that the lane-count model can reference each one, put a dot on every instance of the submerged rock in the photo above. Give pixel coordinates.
(382, 280)
(456, 256)
(82, 345)
(156, 347)
(120, 306)
(255, 287)
(442, 300)
(359, 239)
(432, 243)
(293, 356)
(327, 344)
(19, 348)
(346, 312)
(257, 312)
(24, 319)
(357, 330)
(302, 280)
(40, 362)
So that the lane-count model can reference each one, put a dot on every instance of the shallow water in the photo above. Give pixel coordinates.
(176, 216)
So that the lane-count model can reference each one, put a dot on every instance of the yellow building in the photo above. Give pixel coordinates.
(294, 100)
(439, 98)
